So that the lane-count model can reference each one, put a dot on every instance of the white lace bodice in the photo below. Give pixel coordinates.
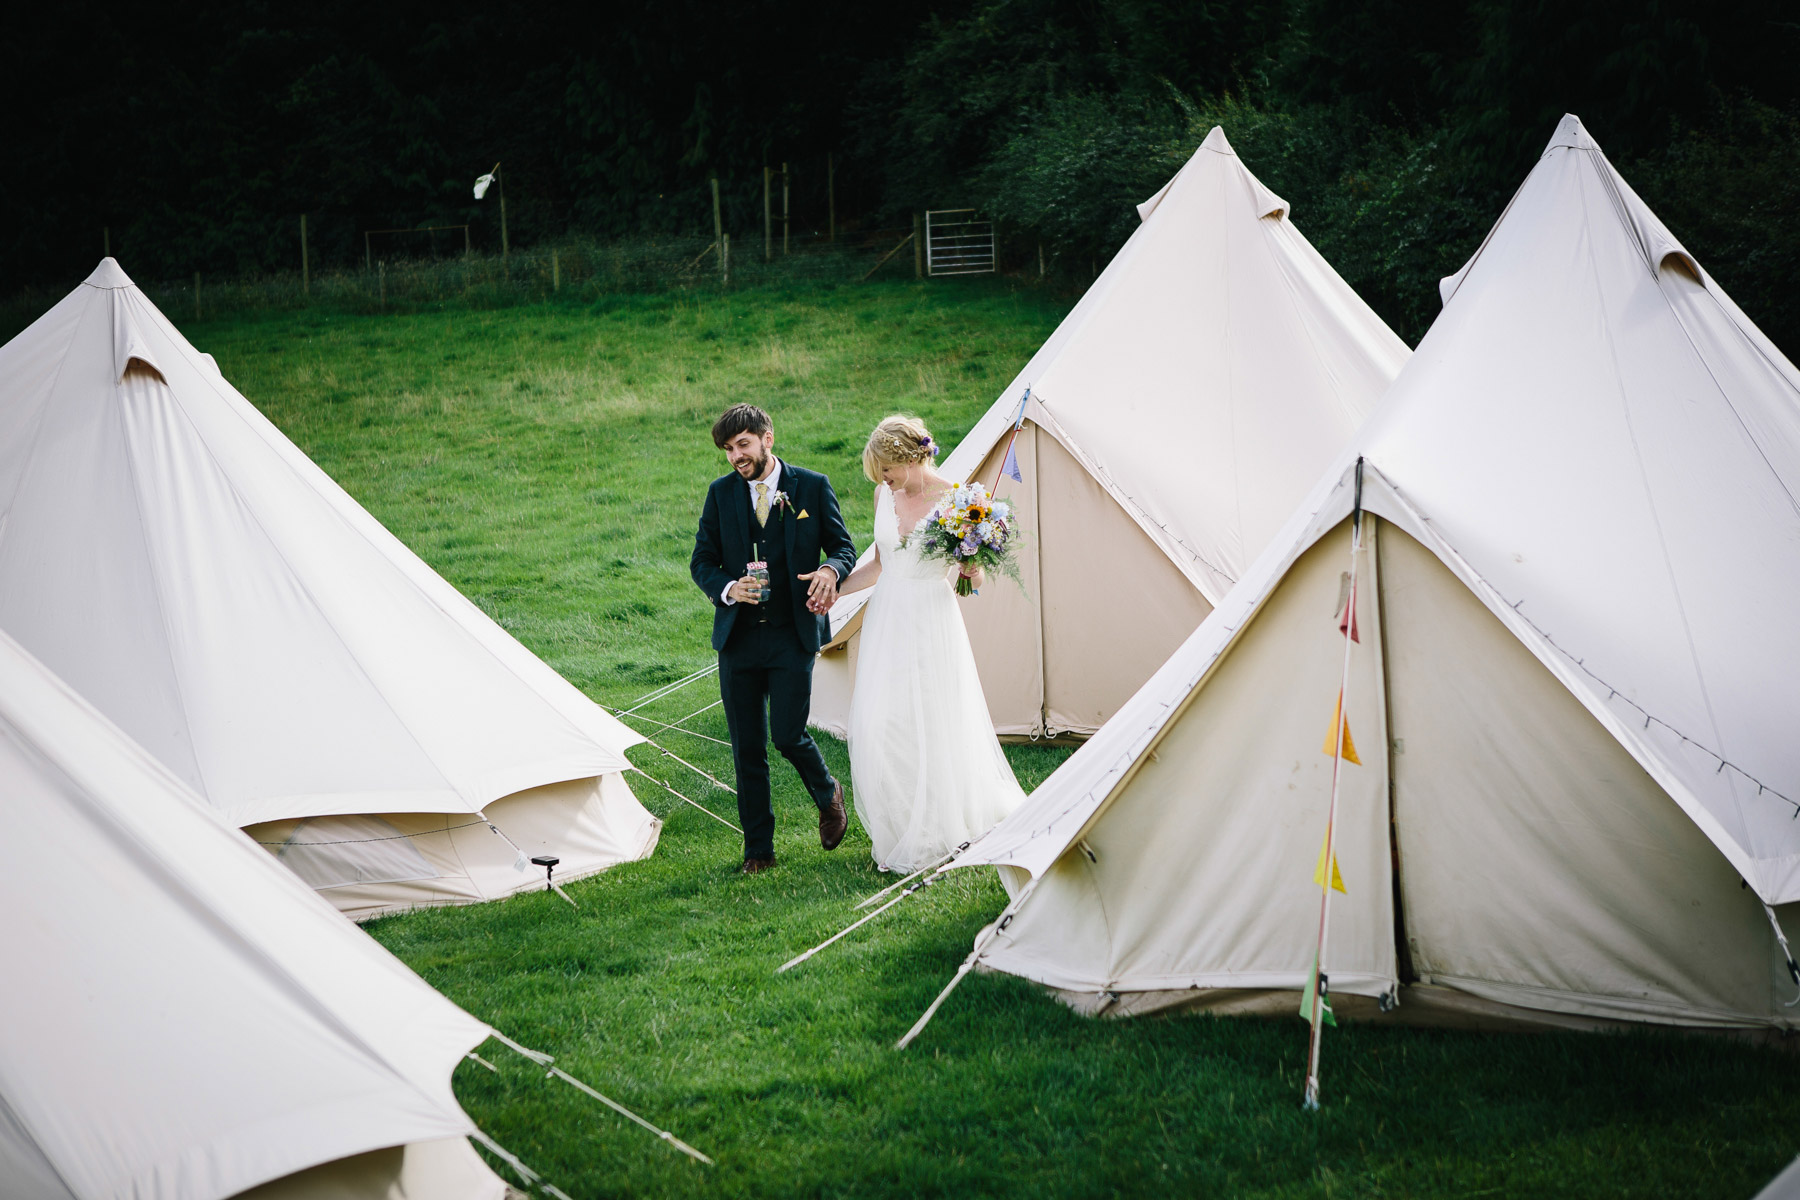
(900, 560)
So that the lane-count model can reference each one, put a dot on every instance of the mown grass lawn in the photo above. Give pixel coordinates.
(549, 460)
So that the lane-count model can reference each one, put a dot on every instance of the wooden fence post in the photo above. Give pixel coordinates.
(918, 250)
(381, 280)
(305, 266)
(719, 230)
(830, 199)
(724, 258)
(466, 248)
(555, 273)
(784, 209)
(768, 225)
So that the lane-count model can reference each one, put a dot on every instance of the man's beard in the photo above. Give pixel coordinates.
(758, 466)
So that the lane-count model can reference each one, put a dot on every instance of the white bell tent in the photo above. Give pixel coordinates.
(184, 1019)
(1570, 777)
(1177, 416)
(175, 558)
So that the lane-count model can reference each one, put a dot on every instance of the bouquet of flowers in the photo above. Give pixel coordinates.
(969, 527)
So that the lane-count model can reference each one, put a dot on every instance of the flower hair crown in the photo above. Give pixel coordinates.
(895, 448)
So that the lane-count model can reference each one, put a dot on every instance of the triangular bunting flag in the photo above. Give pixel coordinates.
(1306, 1000)
(1337, 880)
(1330, 748)
(1345, 612)
(1011, 467)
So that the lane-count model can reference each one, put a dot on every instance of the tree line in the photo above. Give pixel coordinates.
(192, 137)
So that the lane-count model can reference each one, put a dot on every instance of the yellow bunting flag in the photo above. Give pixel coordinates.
(1349, 744)
(1337, 880)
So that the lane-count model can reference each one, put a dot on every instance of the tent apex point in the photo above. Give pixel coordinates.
(1571, 134)
(109, 274)
(1215, 141)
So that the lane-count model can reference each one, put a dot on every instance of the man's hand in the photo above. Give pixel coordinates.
(821, 592)
(747, 590)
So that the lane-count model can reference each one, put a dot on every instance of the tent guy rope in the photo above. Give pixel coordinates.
(981, 943)
(548, 1062)
(908, 879)
(527, 1176)
(845, 932)
(523, 861)
(707, 775)
(709, 812)
(676, 726)
(391, 837)
(667, 689)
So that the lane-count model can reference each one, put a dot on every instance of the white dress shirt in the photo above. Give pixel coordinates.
(773, 483)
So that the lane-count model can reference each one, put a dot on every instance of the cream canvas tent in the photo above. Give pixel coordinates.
(184, 1020)
(184, 566)
(1177, 416)
(1573, 693)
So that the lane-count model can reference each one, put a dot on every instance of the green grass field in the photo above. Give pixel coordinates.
(549, 460)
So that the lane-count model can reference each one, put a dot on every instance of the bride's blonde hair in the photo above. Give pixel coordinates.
(897, 441)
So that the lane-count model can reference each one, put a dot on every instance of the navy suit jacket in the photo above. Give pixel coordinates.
(814, 535)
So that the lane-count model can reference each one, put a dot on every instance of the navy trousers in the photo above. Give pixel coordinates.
(765, 680)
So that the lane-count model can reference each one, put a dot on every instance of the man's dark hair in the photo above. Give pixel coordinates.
(740, 418)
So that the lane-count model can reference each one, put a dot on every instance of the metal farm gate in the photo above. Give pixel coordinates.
(957, 242)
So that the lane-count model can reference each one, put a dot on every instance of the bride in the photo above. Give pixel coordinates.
(926, 770)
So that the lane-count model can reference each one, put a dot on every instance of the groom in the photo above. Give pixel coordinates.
(786, 516)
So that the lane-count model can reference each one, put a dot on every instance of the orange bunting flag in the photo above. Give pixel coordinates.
(1330, 747)
(1337, 880)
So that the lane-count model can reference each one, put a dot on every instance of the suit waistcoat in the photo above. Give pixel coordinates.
(771, 540)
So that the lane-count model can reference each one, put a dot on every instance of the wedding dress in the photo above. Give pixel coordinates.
(926, 770)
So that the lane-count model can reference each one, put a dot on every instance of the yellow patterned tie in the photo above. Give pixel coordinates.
(762, 503)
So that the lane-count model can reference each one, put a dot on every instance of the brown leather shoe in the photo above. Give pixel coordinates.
(833, 820)
(755, 866)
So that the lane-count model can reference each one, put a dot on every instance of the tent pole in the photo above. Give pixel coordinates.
(1781, 940)
(1007, 453)
(1317, 1016)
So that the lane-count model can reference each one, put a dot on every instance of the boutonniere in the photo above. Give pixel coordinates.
(779, 500)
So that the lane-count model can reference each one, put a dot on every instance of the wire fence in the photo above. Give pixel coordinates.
(571, 270)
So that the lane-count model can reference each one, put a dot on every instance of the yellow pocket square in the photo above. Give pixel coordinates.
(803, 515)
